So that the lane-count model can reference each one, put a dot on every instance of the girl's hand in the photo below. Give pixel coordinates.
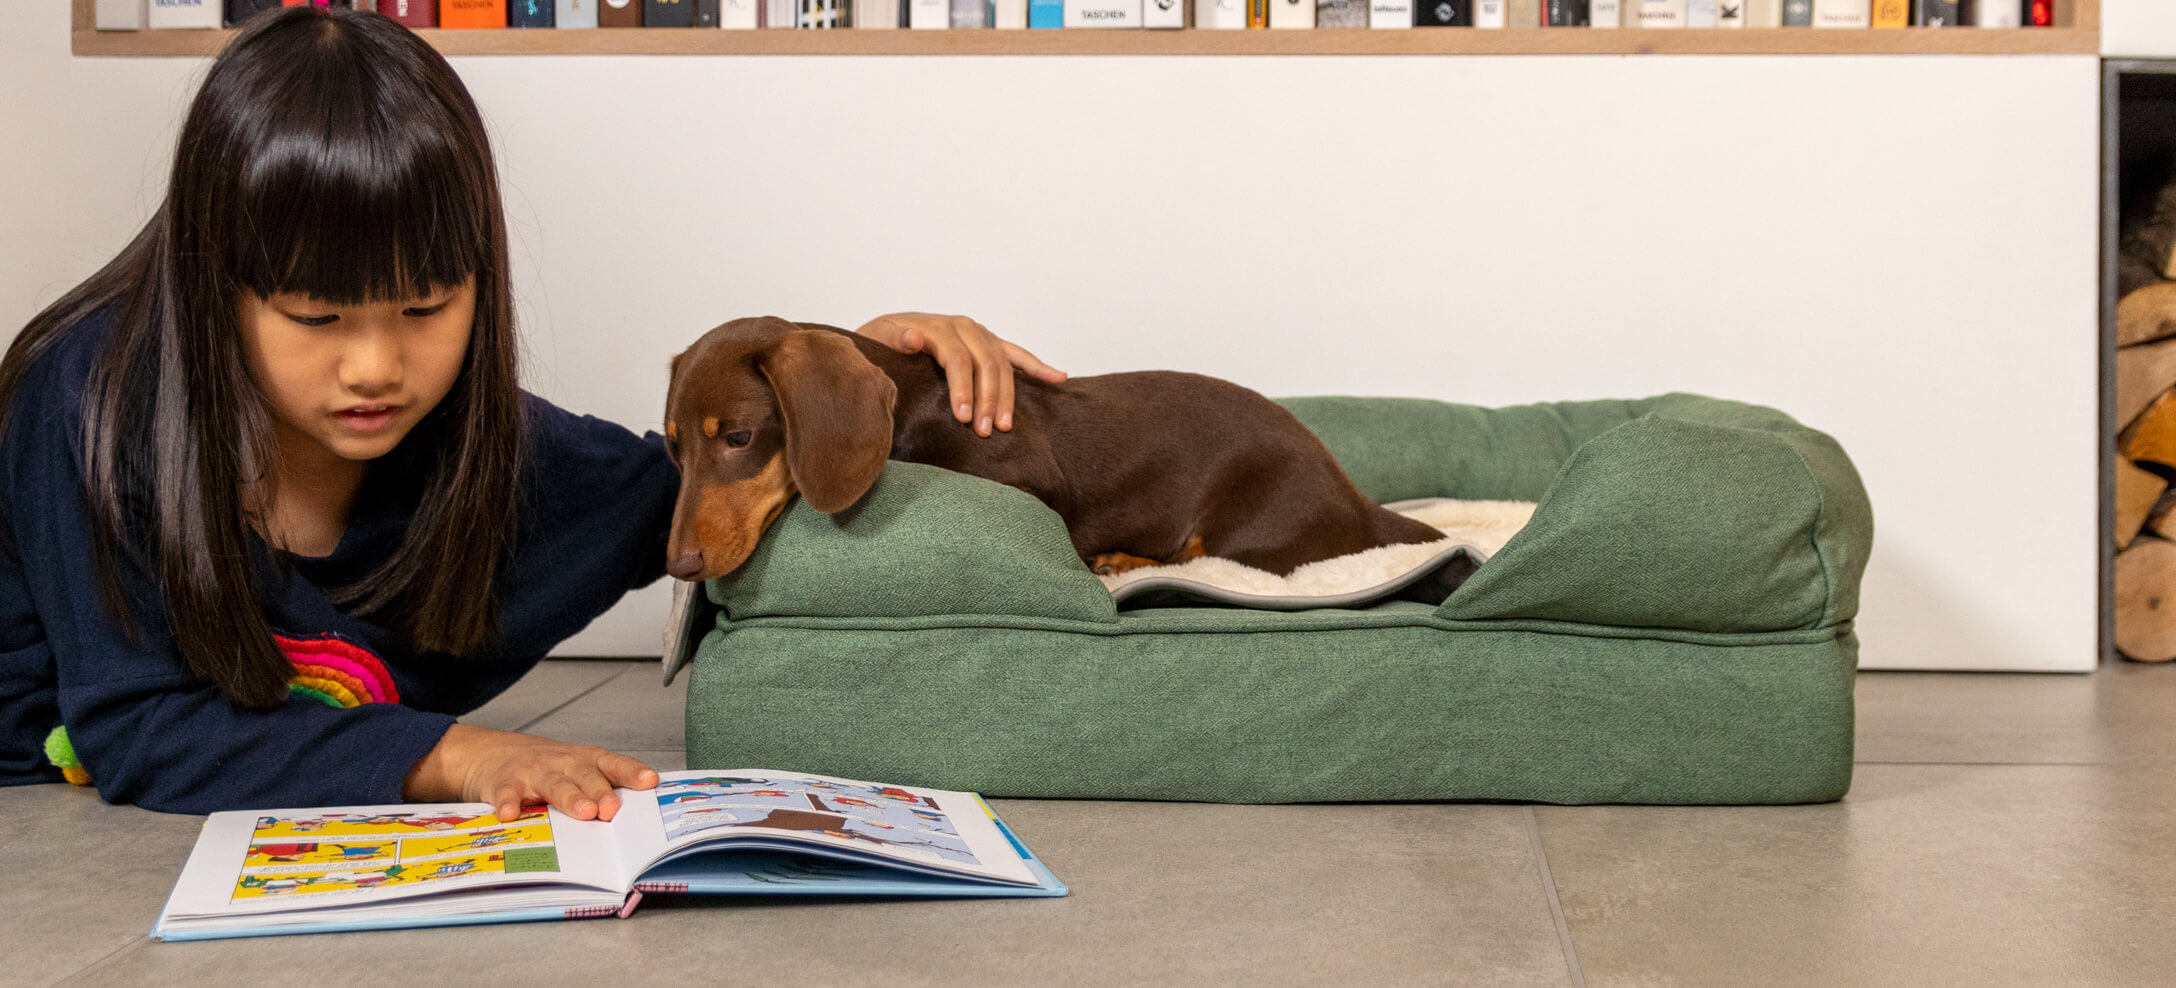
(508, 770)
(977, 364)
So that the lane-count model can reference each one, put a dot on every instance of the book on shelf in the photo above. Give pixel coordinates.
(1797, 13)
(1998, 13)
(530, 13)
(1257, 14)
(2039, 13)
(1443, 13)
(573, 13)
(1841, 13)
(782, 14)
(1104, 13)
(740, 832)
(822, 15)
(1341, 13)
(1567, 13)
(1523, 13)
(1605, 13)
(117, 15)
(929, 15)
(739, 15)
(964, 13)
(1220, 15)
(1937, 13)
(1763, 13)
(1700, 13)
(1730, 14)
(619, 13)
(707, 13)
(1166, 15)
(1654, 14)
(472, 14)
(668, 13)
(1890, 13)
(1048, 14)
(182, 15)
(1490, 14)
(1390, 14)
(234, 12)
(1288, 14)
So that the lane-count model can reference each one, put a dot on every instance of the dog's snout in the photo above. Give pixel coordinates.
(688, 566)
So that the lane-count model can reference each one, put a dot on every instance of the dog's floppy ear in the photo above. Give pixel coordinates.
(837, 411)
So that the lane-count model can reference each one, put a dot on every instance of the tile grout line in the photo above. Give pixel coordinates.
(572, 700)
(1556, 907)
(103, 961)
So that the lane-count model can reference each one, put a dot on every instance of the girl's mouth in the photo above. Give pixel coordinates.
(367, 418)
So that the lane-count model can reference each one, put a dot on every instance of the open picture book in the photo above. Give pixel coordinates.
(740, 832)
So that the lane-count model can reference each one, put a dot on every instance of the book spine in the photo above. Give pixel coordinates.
(1165, 15)
(471, 14)
(166, 15)
(1991, 13)
(1010, 15)
(1257, 14)
(1660, 14)
(1730, 14)
(1605, 13)
(1390, 15)
(738, 15)
(1102, 13)
(1220, 15)
(1797, 13)
(1763, 13)
(237, 11)
(966, 13)
(118, 15)
(1891, 13)
(1524, 13)
(1047, 14)
(707, 12)
(619, 13)
(821, 15)
(668, 13)
(573, 14)
(1937, 13)
(1442, 13)
(1700, 13)
(1489, 13)
(1567, 13)
(1841, 13)
(2039, 13)
(1288, 14)
(530, 13)
(929, 15)
(1341, 13)
(786, 14)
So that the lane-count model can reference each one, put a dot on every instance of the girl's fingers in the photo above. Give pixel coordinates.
(626, 770)
(959, 380)
(1004, 390)
(989, 370)
(562, 791)
(506, 800)
(1021, 358)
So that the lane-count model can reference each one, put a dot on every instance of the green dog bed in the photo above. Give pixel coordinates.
(1672, 626)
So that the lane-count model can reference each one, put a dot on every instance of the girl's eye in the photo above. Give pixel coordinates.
(312, 320)
(737, 439)
(426, 311)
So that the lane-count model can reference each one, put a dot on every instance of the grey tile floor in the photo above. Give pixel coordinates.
(2003, 830)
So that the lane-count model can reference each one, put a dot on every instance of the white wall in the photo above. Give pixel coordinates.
(2138, 28)
(1801, 232)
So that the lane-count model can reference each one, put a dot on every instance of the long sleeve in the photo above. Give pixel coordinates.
(148, 732)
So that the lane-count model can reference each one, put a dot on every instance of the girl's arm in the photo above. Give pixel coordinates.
(977, 364)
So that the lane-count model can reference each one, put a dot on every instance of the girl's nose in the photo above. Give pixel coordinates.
(372, 363)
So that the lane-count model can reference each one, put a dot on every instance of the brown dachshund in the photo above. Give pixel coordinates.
(1146, 468)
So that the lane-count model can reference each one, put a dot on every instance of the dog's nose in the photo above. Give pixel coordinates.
(688, 566)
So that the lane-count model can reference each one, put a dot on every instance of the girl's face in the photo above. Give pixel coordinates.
(354, 379)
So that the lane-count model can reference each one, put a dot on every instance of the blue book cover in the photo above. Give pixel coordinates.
(530, 13)
(1046, 13)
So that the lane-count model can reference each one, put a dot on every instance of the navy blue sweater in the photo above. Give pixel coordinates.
(596, 501)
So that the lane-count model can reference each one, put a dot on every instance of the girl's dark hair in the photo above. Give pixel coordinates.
(330, 153)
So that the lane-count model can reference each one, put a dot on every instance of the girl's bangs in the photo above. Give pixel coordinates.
(354, 205)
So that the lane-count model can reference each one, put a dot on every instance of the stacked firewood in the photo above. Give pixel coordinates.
(2145, 420)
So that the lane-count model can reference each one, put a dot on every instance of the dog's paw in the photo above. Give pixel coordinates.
(1114, 563)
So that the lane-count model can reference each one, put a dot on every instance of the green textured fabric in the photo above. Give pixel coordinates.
(1672, 627)
(923, 541)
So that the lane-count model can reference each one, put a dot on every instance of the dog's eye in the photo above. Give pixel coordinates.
(737, 439)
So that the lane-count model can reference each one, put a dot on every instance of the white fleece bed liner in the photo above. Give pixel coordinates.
(1475, 529)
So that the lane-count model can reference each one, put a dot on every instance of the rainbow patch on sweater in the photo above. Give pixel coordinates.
(328, 669)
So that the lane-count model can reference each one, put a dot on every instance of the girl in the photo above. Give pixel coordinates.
(275, 508)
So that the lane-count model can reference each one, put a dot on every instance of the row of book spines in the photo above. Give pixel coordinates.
(129, 14)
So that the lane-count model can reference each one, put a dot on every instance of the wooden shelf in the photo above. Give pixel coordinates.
(1428, 41)
(2078, 34)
